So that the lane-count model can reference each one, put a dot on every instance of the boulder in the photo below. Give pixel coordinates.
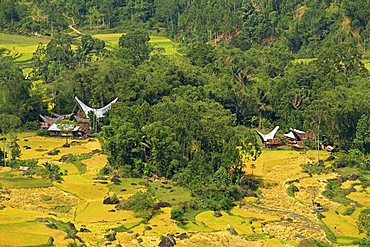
(71, 225)
(110, 200)
(353, 177)
(161, 205)
(84, 229)
(66, 145)
(148, 228)
(341, 179)
(116, 180)
(144, 183)
(54, 152)
(231, 230)
(51, 225)
(168, 241)
(352, 189)
(217, 213)
(64, 158)
(182, 236)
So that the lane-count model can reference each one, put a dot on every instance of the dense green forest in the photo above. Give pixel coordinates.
(300, 25)
(188, 116)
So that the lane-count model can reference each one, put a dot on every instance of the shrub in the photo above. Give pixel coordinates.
(142, 203)
(31, 125)
(177, 214)
(363, 222)
(291, 190)
(349, 211)
(315, 168)
(42, 132)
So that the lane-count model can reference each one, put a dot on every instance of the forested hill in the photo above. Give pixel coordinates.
(301, 25)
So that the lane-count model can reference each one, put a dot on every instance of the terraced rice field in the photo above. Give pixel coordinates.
(157, 41)
(272, 219)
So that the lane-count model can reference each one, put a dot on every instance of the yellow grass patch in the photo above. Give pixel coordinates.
(242, 226)
(253, 213)
(41, 145)
(42, 199)
(83, 186)
(30, 233)
(281, 165)
(341, 225)
(218, 239)
(361, 197)
(162, 224)
(95, 163)
(95, 212)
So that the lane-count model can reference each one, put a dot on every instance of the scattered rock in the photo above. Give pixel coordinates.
(112, 211)
(96, 151)
(111, 236)
(353, 177)
(139, 240)
(148, 228)
(110, 200)
(217, 213)
(231, 230)
(3, 139)
(352, 189)
(299, 236)
(164, 182)
(182, 236)
(168, 241)
(71, 225)
(341, 179)
(133, 184)
(171, 190)
(27, 147)
(295, 188)
(251, 194)
(115, 181)
(66, 145)
(26, 140)
(144, 183)
(161, 205)
(54, 152)
(84, 229)
(51, 225)
(75, 142)
(340, 165)
(123, 189)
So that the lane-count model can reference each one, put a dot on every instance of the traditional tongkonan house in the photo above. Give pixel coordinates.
(269, 139)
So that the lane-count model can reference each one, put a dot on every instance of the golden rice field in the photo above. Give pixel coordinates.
(272, 219)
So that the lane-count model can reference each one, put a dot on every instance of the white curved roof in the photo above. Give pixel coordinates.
(98, 112)
(268, 136)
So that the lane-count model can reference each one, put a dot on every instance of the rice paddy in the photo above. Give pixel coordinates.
(273, 218)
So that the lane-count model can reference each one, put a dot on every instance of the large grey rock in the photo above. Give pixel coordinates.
(168, 241)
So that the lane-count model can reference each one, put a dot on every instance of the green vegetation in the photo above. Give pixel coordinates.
(182, 130)
(334, 192)
(141, 203)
